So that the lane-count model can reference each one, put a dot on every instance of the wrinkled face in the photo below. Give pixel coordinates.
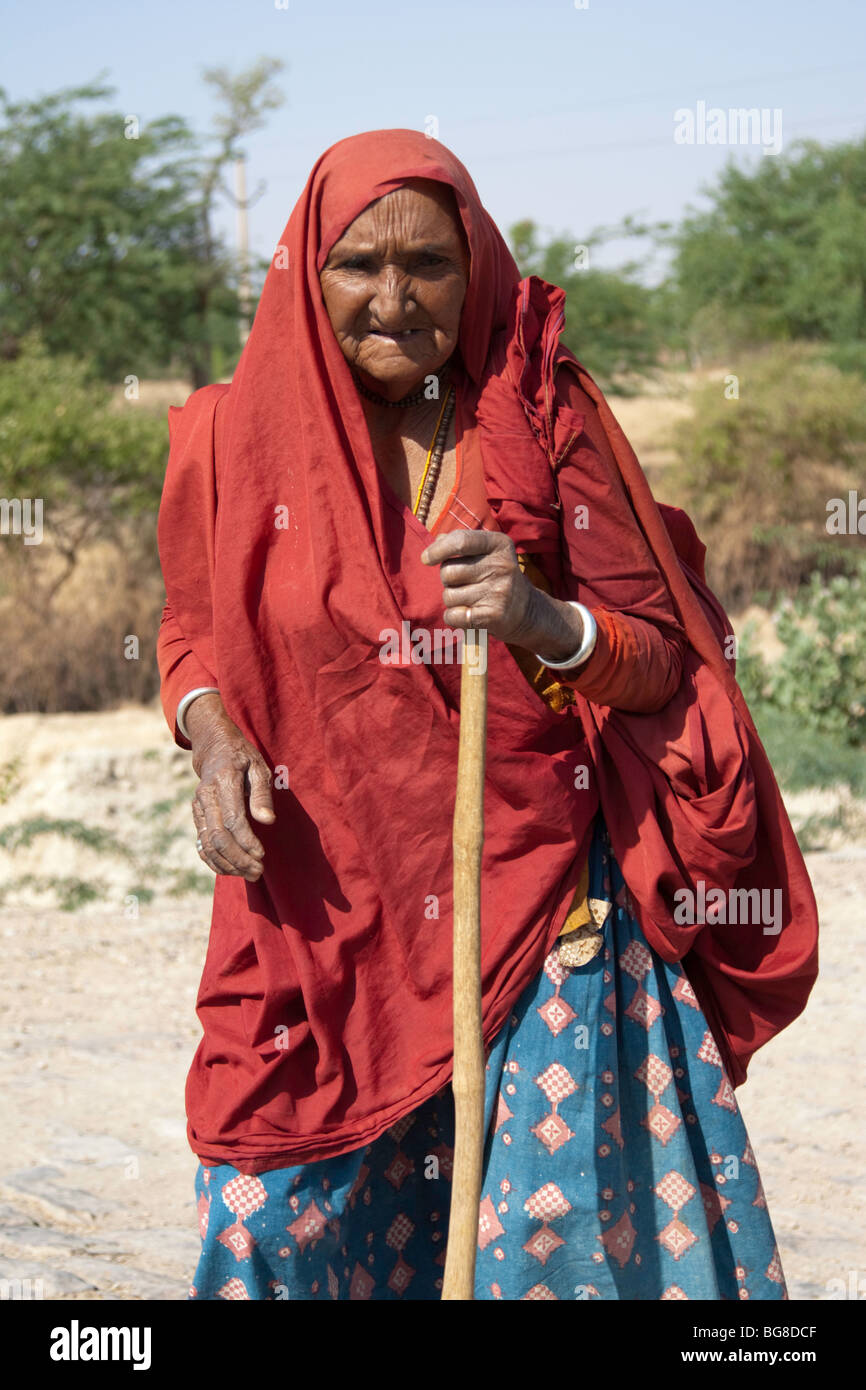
(394, 285)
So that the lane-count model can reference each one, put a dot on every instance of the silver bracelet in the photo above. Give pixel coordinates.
(187, 701)
(587, 646)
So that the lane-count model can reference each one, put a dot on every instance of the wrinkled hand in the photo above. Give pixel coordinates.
(480, 573)
(230, 770)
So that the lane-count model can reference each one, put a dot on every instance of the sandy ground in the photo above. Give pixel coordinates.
(98, 1026)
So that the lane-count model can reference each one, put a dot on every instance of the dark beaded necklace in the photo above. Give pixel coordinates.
(437, 453)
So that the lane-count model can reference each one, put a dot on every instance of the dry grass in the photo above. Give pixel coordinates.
(93, 643)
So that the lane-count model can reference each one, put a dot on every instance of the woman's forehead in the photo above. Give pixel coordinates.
(418, 210)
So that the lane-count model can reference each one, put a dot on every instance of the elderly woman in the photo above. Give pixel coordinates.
(406, 452)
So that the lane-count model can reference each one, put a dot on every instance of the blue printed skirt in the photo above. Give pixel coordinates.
(617, 1164)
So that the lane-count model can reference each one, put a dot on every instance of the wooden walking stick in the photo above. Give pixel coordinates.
(468, 1082)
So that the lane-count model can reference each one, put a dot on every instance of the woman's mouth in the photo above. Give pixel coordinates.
(403, 336)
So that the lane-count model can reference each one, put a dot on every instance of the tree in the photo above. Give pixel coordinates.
(244, 100)
(106, 236)
(611, 323)
(98, 234)
(781, 252)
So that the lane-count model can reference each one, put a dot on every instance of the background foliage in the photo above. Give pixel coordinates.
(109, 265)
(758, 469)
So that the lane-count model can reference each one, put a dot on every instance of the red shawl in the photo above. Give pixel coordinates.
(325, 999)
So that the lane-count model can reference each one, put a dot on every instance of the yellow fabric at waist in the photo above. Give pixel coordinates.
(557, 696)
(579, 914)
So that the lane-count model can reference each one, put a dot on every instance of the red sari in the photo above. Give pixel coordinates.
(326, 994)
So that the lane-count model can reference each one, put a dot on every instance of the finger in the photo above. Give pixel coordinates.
(261, 801)
(211, 855)
(200, 827)
(469, 570)
(231, 789)
(467, 616)
(202, 841)
(455, 544)
(467, 595)
(221, 843)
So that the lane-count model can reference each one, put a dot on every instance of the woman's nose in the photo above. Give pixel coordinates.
(392, 302)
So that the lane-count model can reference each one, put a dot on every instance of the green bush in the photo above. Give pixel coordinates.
(810, 705)
(802, 758)
(821, 676)
(757, 469)
(64, 439)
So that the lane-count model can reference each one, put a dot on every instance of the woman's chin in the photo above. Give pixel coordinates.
(397, 370)
(399, 381)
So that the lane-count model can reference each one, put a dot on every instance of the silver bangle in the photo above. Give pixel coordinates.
(187, 701)
(587, 646)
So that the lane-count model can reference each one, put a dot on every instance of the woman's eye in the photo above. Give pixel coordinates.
(365, 263)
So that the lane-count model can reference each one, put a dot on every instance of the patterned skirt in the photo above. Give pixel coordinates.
(617, 1164)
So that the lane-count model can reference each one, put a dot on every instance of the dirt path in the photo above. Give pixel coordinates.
(98, 1028)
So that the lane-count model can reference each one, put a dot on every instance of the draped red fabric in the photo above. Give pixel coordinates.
(326, 994)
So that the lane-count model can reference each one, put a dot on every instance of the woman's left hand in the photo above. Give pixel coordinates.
(483, 586)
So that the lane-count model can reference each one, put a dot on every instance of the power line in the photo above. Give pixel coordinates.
(705, 84)
(628, 99)
(614, 145)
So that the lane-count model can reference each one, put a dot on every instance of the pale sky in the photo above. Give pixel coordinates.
(562, 114)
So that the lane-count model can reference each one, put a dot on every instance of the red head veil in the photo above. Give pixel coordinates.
(325, 998)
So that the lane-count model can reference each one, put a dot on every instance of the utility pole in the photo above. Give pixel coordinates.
(243, 205)
(243, 246)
